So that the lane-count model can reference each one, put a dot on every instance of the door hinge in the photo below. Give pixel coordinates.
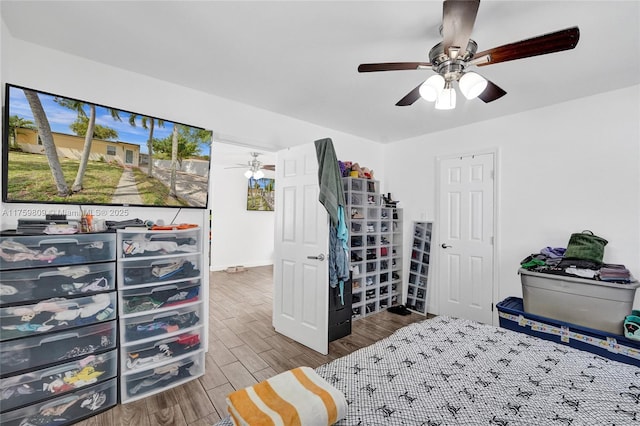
(492, 307)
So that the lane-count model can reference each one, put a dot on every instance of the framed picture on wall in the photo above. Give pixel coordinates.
(260, 194)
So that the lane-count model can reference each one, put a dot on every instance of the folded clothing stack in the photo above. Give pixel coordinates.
(615, 273)
(295, 397)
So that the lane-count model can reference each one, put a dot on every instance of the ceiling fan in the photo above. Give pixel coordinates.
(457, 52)
(255, 167)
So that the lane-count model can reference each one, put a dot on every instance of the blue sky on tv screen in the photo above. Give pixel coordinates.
(60, 118)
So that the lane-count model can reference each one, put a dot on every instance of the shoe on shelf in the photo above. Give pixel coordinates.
(355, 214)
(355, 257)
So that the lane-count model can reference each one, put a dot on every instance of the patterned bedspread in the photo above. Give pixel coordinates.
(447, 371)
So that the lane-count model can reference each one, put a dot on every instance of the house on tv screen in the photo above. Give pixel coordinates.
(70, 146)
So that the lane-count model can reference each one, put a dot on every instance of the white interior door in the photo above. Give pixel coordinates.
(301, 272)
(466, 233)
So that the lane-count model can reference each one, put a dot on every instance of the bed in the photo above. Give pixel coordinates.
(448, 371)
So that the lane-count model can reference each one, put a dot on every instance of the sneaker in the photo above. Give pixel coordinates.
(355, 257)
(355, 214)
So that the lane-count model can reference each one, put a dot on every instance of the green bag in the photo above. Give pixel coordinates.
(586, 246)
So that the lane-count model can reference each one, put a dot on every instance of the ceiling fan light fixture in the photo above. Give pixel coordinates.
(472, 84)
(446, 98)
(431, 88)
(258, 174)
(248, 174)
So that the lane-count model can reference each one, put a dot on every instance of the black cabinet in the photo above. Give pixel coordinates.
(340, 311)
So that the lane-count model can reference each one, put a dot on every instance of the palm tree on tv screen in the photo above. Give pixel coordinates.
(78, 107)
(15, 123)
(44, 132)
(147, 123)
(174, 161)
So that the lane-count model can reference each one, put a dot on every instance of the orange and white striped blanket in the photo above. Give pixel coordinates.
(295, 397)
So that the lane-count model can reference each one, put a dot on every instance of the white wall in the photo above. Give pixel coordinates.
(40, 68)
(561, 169)
(240, 237)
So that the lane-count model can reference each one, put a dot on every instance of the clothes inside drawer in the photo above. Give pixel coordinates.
(159, 297)
(35, 251)
(45, 283)
(169, 322)
(149, 271)
(56, 314)
(41, 350)
(142, 356)
(159, 243)
(29, 388)
(66, 409)
(154, 380)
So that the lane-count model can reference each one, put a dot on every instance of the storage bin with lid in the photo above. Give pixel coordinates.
(586, 302)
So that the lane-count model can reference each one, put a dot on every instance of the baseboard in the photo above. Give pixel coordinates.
(216, 268)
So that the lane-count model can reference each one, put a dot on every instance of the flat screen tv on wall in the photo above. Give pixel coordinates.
(131, 159)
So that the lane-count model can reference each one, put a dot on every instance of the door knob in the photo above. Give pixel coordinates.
(319, 257)
(445, 246)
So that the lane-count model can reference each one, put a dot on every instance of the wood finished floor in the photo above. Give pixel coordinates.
(243, 350)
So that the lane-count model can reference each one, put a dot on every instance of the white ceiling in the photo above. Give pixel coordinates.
(299, 58)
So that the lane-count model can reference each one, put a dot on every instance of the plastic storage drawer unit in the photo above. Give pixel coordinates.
(66, 409)
(143, 272)
(148, 382)
(164, 350)
(150, 327)
(36, 250)
(29, 388)
(160, 297)
(608, 345)
(31, 352)
(586, 302)
(45, 283)
(56, 314)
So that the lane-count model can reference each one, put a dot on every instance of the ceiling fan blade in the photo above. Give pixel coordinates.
(410, 97)
(541, 45)
(491, 93)
(458, 18)
(271, 167)
(393, 66)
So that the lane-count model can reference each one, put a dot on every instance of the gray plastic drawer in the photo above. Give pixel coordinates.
(157, 379)
(45, 283)
(158, 243)
(159, 297)
(42, 250)
(41, 350)
(144, 355)
(56, 314)
(147, 271)
(66, 409)
(150, 327)
(35, 386)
